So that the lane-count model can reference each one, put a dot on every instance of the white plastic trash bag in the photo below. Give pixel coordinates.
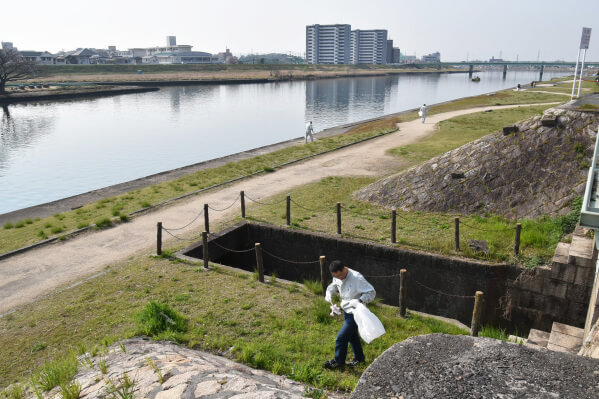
(420, 114)
(369, 326)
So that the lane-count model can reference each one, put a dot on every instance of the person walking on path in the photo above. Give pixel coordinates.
(310, 132)
(353, 289)
(422, 112)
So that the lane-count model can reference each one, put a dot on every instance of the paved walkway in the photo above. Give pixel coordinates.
(38, 272)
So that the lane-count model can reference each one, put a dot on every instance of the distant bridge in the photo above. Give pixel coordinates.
(540, 64)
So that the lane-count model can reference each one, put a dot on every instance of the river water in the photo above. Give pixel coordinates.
(52, 150)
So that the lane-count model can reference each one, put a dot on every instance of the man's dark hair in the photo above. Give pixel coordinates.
(336, 266)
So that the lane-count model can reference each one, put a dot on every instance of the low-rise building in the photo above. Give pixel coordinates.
(434, 57)
(39, 57)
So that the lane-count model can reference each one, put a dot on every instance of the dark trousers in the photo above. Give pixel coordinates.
(348, 335)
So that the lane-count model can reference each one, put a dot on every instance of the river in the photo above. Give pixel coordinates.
(52, 150)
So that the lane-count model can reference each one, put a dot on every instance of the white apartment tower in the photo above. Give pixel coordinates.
(171, 41)
(368, 46)
(328, 44)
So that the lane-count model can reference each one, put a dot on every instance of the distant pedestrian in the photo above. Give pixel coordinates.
(532, 84)
(518, 87)
(422, 112)
(309, 132)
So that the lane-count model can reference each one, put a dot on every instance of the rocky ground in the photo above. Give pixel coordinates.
(163, 370)
(534, 171)
(445, 366)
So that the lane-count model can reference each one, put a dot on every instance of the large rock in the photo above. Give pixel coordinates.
(535, 171)
(446, 366)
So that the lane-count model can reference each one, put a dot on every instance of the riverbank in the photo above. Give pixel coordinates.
(62, 93)
(218, 74)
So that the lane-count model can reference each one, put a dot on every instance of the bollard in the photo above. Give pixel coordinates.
(206, 219)
(259, 262)
(456, 233)
(517, 239)
(323, 275)
(159, 238)
(393, 226)
(476, 313)
(403, 292)
(242, 195)
(205, 249)
(288, 210)
(338, 217)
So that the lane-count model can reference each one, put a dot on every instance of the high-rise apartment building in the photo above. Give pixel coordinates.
(389, 52)
(368, 46)
(327, 44)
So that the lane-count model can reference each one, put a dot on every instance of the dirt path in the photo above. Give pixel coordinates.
(25, 277)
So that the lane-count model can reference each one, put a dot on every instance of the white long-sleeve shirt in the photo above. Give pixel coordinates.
(354, 286)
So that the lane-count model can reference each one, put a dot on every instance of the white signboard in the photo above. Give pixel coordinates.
(585, 38)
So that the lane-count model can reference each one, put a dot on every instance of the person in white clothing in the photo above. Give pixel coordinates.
(353, 289)
(422, 112)
(309, 131)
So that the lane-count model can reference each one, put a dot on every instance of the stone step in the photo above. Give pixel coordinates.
(581, 251)
(538, 338)
(565, 338)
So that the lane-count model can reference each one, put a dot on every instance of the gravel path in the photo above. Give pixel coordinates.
(445, 366)
(38, 272)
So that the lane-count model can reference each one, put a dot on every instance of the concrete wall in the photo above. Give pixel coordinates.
(513, 299)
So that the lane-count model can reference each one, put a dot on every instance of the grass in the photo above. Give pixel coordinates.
(101, 212)
(455, 132)
(427, 231)
(284, 331)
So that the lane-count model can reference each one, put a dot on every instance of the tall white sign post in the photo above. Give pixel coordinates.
(584, 45)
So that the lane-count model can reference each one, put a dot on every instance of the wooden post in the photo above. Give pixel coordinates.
(259, 262)
(338, 217)
(393, 226)
(476, 313)
(517, 239)
(323, 275)
(456, 233)
(288, 210)
(403, 292)
(206, 219)
(205, 249)
(159, 238)
(242, 195)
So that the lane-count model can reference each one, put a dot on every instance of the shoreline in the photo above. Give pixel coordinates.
(65, 95)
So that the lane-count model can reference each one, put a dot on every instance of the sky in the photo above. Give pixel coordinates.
(459, 29)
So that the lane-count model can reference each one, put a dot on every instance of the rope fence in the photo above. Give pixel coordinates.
(435, 223)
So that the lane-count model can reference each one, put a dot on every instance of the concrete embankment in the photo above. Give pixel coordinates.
(72, 94)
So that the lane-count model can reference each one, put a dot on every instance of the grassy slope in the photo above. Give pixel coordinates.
(278, 327)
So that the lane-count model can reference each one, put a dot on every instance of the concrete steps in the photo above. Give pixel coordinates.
(563, 338)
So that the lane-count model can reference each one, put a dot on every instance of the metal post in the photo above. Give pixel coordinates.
(584, 56)
(575, 73)
(456, 234)
(504, 71)
(242, 195)
(259, 262)
(206, 219)
(323, 275)
(205, 249)
(470, 69)
(476, 313)
(288, 210)
(517, 239)
(338, 217)
(541, 73)
(393, 226)
(403, 292)
(159, 238)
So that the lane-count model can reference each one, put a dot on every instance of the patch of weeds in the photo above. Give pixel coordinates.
(158, 317)
(145, 204)
(81, 349)
(122, 389)
(57, 372)
(273, 278)
(47, 225)
(181, 297)
(313, 286)
(269, 169)
(320, 310)
(533, 262)
(123, 218)
(42, 234)
(314, 393)
(247, 306)
(38, 346)
(103, 223)
(152, 365)
(122, 346)
(8, 226)
(102, 365)
(492, 332)
(19, 225)
(16, 391)
(71, 390)
(359, 227)
(82, 225)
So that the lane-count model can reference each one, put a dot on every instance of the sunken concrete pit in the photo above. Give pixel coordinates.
(428, 274)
